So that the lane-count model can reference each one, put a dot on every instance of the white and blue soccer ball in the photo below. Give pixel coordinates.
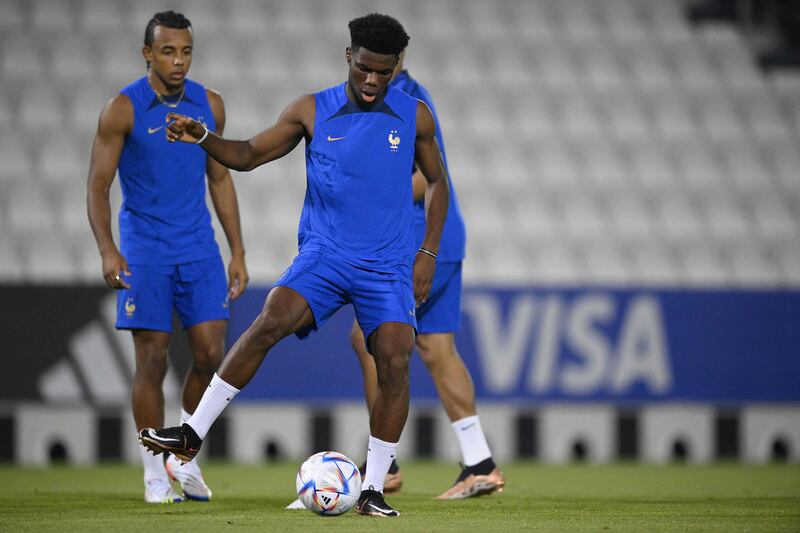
(328, 483)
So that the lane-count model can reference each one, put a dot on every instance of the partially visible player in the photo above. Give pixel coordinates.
(356, 236)
(437, 320)
(168, 257)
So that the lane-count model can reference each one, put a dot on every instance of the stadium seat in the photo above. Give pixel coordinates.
(16, 157)
(23, 60)
(726, 221)
(30, 214)
(577, 433)
(752, 267)
(679, 221)
(12, 268)
(254, 428)
(673, 118)
(103, 18)
(52, 17)
(677, 433)
(653, 264)
(49, 259)
(650, 167)
(40, 111)
(63, 161)
(119, 62)
(84, 109)
(41, 427)
(606, 265)
(773, 221)
(763, 427)
(11, 15)
(631, 219)
(703, 266)
(557, 264)
(73, 59)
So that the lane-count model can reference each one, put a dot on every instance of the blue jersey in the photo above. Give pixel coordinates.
(454, 234)
(164, 219)
(359, 204)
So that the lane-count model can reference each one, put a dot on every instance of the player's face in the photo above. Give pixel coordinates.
(370, 73)
(170, 55)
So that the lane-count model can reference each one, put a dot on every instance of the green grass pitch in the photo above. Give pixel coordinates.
(621, 497)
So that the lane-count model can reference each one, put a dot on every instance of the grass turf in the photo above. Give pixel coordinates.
(622, 497)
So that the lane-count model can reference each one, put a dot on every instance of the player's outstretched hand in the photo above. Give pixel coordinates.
(424, 268)
(184, 129)
(237, 277)
(115, 267)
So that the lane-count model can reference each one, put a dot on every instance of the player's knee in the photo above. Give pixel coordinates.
(207, 360)
(392, 368)
(435, 352)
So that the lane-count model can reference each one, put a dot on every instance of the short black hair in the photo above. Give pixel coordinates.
(170, 19)
(378, 33)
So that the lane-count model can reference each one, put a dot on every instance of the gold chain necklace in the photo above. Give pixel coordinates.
(161, 98)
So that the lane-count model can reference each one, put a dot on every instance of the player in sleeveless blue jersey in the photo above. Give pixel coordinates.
(356, 236)
(437, 321)
(167, 257)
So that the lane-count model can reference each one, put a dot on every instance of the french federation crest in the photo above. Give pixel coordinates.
(394, 141)
(130, 307)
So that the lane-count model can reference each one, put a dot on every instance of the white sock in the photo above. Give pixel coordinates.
(216, 398)
(380, 455)
(153, 465)
(185, 416)
(469, 433)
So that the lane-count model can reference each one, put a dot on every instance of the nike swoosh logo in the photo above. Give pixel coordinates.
(153, 130)
(335, 138)
(467, 427)
(154, 436)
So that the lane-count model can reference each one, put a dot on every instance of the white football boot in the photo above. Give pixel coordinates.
(297, 504)
(160, 490)
(190, 478)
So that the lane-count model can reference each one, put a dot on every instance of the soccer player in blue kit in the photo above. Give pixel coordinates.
(356, 236)
(168, 256)
(437, 320)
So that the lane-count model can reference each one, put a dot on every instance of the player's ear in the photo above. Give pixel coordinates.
(147, 53)
(348, 54)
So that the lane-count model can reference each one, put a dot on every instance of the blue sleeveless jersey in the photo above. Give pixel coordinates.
(164, 219)
(358, 204)
(454, 235)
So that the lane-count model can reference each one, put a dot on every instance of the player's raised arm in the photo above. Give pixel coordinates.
(295, 123)
(116, 122)
(437, 198)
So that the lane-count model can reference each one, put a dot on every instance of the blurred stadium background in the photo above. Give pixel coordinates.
(629, 171)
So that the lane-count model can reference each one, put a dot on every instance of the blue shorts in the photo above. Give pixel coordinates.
(441, 313)
(197, 290)
(327, 283)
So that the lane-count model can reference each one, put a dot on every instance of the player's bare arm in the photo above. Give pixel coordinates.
(116, 122)
(223, 196)
(437, 198)
(419, 185)
(294, 124)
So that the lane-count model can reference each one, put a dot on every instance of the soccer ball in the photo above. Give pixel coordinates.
(328, 483)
